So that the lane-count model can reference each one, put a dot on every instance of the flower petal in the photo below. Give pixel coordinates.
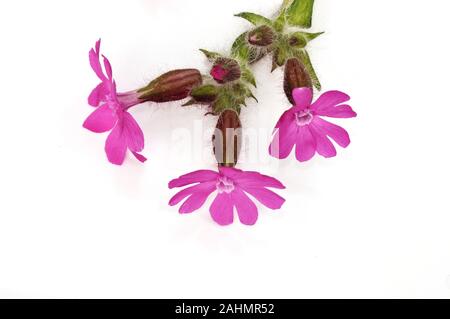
(340, 111)
(94, 59)
(133, 133)
(141, 158)
(246, 209)
(108, 67)
(255, 179)
(329, 99)
(286, 119)
(222, 209)
(266, 197)
(101, 120)
(200, 176)
(284, 139)
(197, 199)
(323, 145)
(97, 95)
(337, 133)
(302, 97)
(175, 200)
(116, 145)
(306, 145)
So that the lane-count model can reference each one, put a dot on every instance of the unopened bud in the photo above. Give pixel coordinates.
(262, 36)
(226, 70)
(295, 76)
(301, 39)
(297, 40)
(227, 138)
(171, 86)
(205, 94)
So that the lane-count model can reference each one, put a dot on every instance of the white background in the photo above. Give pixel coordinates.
(373, 222)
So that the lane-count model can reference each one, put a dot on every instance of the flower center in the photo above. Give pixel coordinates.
(225, 185)
(111, 101)
(303, 117)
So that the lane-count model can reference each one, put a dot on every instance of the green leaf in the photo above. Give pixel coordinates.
(254, 18)
(280, 22)
(210, 55)
(286, 4)
(306, 60)
(311, 36)
(300, 13)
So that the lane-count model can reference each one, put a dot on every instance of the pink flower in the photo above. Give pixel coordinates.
(112, 113)
(304, 127)
(233, 187)
(219, 73)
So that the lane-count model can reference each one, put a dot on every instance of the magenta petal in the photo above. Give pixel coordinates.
(116, 145)
(340, 111)
(197, 199)
(94, 59)
(284, 139)
(337, 133)
(108, 67)
(222, 209)
(306, 145)
(246, 209)
(200, 176)
(255, 179)
(97, 95)
(286, 119)
(133, 133)
(329, 99)
(323, 145)
(266, 197)
(101, 120)
(141, 158)
(302, 97)
(199, 188)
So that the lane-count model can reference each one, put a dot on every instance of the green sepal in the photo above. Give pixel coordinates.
(300, 12)
(253, 97)
(248, 76)
(254, 18)
(225, 102)
(279, 57)
(190, 102)
(210, 55)
(306, 60)
(274, 60)
(232, 97)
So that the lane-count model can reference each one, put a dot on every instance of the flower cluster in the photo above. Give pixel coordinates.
(224, 92)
